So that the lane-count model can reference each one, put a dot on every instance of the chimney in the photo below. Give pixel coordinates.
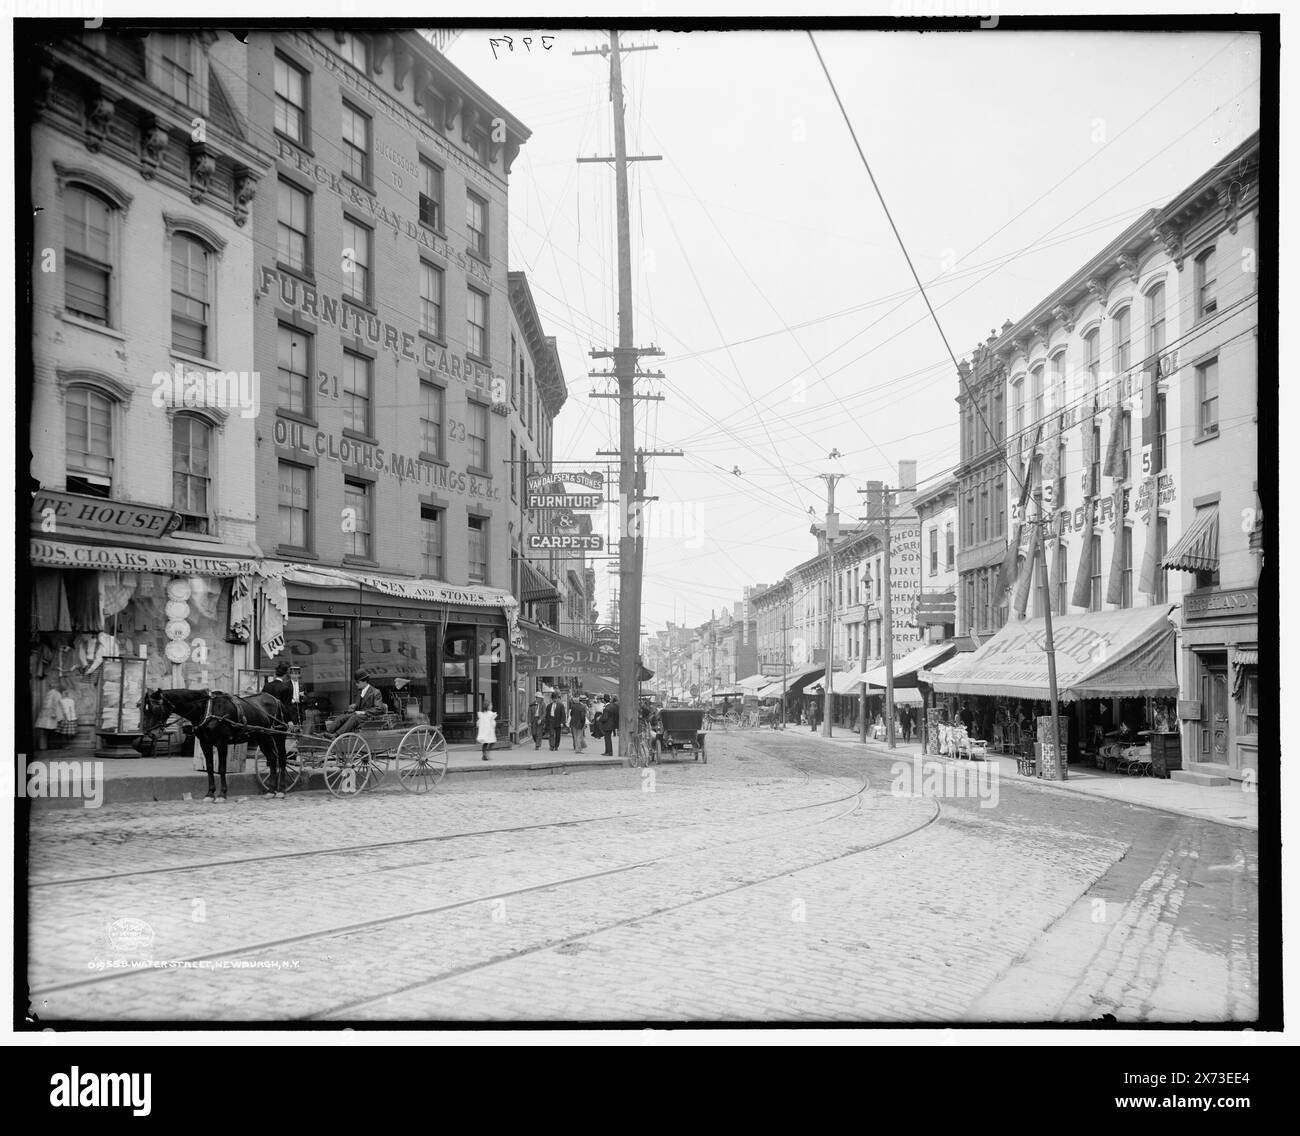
(907, 474)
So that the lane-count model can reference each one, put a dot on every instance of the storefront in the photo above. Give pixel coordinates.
(436, 653)
(110, 620)
(1115, 676)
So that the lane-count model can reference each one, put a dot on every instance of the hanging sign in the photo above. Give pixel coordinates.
(566, 542)
(581, 501)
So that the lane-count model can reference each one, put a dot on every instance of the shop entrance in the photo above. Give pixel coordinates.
(1212, 736)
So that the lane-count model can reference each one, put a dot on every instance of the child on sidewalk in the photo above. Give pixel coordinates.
(487, 729)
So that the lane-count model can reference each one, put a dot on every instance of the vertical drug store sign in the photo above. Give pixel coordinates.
(905, 587)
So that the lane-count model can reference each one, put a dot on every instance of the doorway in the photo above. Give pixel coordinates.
(1212, 734)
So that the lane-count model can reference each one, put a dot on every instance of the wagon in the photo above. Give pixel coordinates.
(679, 730)
(358, 760)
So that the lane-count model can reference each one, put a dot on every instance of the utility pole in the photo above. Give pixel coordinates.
(887, 628)
(713, 655)
(625, 356)
(1062, 765)
(785, 665)
(832, 531)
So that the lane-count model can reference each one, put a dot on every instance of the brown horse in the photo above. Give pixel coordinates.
(221, 719)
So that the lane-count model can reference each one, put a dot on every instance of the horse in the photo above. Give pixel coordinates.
(219, 720)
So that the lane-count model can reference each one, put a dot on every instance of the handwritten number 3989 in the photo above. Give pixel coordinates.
(527, 41)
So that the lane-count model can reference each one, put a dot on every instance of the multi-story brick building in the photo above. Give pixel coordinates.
(381, 308)
(143, 397)
(937, 518)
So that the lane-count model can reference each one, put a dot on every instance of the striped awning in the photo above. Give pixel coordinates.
(534, 587)
(1198, 550)
(1242, 657)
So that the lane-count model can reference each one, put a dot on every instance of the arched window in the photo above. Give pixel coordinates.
(192, 472)
(1206, 303)
(1156, 320)
(192, 288)
(1122, 345)
(1036, 392)
(89, 459)
(1017, 405)
(1057, 404)
(1092, 360)
(89, 228)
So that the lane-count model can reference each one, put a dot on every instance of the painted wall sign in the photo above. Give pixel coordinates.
(295, 437)
(52, 511)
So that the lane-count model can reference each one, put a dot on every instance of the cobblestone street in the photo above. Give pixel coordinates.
(782, 881)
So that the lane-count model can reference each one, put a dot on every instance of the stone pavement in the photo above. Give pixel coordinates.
(781, 882)
(1236, 804)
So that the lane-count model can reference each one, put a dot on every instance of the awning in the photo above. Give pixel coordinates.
(1198, 550)
(1112, 654)
(846, 682)
(905, 668)
(794, 682)
(534, 587)
(1241, 659)
(936, 607)
(755, 682)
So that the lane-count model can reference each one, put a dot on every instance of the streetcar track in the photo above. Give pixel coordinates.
(252, 948)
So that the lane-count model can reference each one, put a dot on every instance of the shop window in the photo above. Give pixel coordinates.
(89, 236)
(395, 653)
(356, 517)
(191, 295)
(295, 506)
(478, 550)
(356, 252)
(356, 143)
(293, 226)
(430, 195)
(323, 649)
(476, 315)
(89, 426)
(355, 395)
(290, 100)
(431, 299)
(431, 419)
(431, 537)
(293, 370)
(191, 472)
(1248, 702)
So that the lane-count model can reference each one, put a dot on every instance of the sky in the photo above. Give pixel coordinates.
(765, 267)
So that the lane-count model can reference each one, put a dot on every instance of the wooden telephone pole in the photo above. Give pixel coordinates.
(625, 357)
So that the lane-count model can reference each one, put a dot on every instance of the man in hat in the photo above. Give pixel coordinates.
(555, 716)
(287, 687)
(537, 721)
(369, 705)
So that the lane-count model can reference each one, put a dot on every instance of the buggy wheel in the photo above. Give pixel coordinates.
(347, 765)
(292, 771)
(421, 759)
(376, 765)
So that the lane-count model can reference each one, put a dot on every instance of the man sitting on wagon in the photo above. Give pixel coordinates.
(368, 707)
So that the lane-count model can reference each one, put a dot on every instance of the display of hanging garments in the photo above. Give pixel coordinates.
(83, 600)
(50, 602)
(241, 610)
(102, 647)
(205, 596)
(115, 591)
(51, 711)
(272, 612)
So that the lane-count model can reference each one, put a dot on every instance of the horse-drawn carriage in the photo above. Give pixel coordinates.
(679, 730)
(351, 762)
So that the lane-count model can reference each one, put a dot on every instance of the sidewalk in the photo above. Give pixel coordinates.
(1223, 804)
(175, 779)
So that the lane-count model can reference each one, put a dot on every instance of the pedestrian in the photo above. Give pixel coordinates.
(554, 720)
(536, 721)
(578, 725)
(609, 724)
(905, 720)
(967, 718)
(487, 728)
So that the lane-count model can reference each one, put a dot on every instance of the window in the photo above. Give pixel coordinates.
(293, 226)
(295, 505)
(1206, 304)
(176, 67)
(477, 317)
(1063, 588)
(984, 512)
(1126, 534)
(431, 420)
(356, 284)
(356, 392)
(1158, 450)
(356, 143)
(476, 430)
(479, 144)
(89, 437)
(430, 195)
(1156, 320)
(476, 221)
(1207, 399)
(190, 290)
(431, 285)
(431, 536)
(478, 550)
(1123, 348)
(1057, 403)
(1162, 547)
(353, 48)
(1206, 579)
(290, 100)
(514, 355)
(356, 505)
(1092, 360)
(999, 416)
(293, 370)
(934, 552)
(514, 494)
(1248, 701)
(1036, 393)
(1094, 476)
(88, 252)
(1017, 406)
(1126, 444)
(528, 403)
(1094, 573)
(951, 542)
(191, 472)
(970, 518)
(521, 376)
